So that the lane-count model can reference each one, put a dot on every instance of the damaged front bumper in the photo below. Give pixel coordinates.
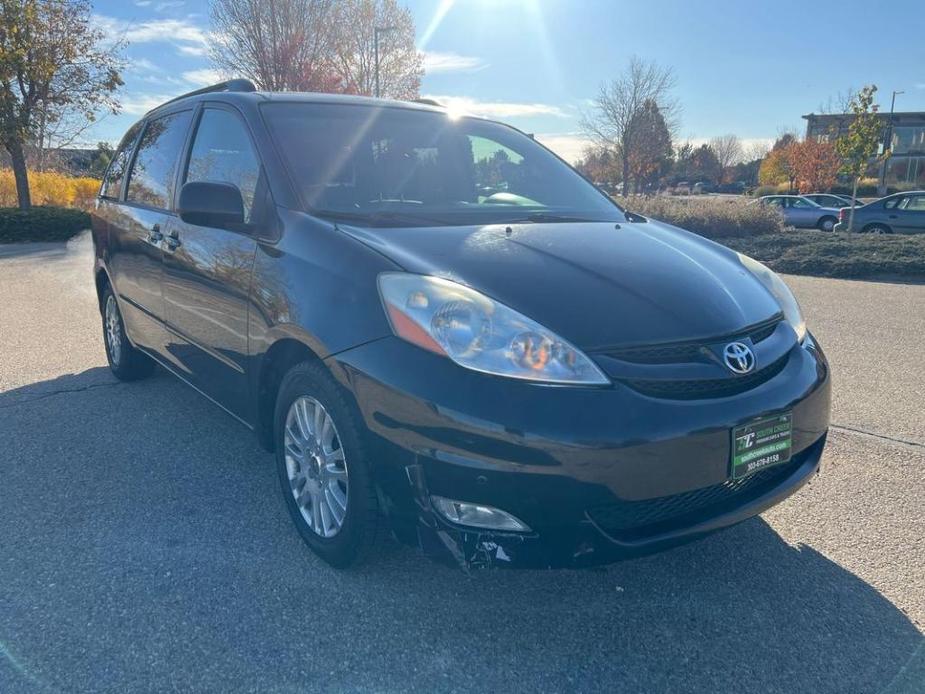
(598, 474)
(587, 543)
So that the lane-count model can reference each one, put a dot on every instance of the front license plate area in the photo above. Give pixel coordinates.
(761, 444)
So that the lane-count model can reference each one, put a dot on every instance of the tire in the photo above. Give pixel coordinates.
(310, 468)
(125, 361)
(827, 224)
(876, 229)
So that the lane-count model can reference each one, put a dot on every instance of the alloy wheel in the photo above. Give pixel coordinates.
(113, 330)
(316, 466)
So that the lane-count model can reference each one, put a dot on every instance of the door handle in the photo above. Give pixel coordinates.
(155, 235)
(173, 240)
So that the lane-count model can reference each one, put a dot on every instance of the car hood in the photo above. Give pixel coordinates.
(596, 284)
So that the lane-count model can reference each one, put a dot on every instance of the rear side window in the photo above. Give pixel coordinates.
(151, 180)
(112, 182)
(222, 152)
(916, 203)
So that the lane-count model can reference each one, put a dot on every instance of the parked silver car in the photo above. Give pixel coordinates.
(801, 212)
(831, 200)
(902, 213)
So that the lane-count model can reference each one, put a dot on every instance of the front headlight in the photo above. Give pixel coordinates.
(779, 291)
(479, 333)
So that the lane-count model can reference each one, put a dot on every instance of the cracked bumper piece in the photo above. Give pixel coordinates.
(596, 474)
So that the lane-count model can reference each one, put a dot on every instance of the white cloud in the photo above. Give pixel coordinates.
(169, 5)
(142, 65)
(196, 51)
(569, 146)
(190, 38)
(436, 61)
(203, 76)
(496, 109)
(139, 104)
(143, 3)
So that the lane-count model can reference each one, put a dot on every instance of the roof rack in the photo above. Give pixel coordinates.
(236, 85)
(429, 102)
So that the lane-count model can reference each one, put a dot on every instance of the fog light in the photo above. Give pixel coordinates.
(477, 515)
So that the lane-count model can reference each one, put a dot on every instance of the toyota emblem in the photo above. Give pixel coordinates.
(739, 357)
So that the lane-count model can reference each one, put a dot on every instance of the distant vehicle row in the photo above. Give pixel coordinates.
(902, 213)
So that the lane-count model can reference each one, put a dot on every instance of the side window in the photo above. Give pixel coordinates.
(112, 182)
(892, 203)
(916, 203)
(799, 204)
(151, 179)
(222, 152)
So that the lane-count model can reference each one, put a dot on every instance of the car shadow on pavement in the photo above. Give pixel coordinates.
(146, 547)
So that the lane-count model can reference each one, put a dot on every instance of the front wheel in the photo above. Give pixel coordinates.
(125, 361)
(323, 466)
(827, 223)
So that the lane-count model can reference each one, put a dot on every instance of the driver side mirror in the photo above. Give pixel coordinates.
(634, 218)
(211, 204)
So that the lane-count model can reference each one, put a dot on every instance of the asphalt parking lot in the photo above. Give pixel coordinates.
(144, 545)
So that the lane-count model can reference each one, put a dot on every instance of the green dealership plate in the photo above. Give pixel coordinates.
(761, 444)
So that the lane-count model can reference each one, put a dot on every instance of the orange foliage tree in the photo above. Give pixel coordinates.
(815, 164)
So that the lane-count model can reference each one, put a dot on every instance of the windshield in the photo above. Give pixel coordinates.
(389, 166)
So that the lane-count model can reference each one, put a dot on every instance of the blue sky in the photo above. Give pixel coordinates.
(741, 68)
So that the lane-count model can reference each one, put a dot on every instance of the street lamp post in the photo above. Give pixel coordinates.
(376, 32)
(888, 145)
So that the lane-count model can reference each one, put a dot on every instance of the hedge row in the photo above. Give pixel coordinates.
(715, 218)
(51, 188)
(41, 224)
(759, 231)
(849, 256)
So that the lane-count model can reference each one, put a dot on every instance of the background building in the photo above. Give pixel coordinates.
(905, 169)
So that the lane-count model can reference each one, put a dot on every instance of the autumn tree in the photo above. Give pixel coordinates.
(401, 67)
(317, 45)
(704, 165)
(283, 45)
(600, 164)
(728, 150)
(53, 62)
(777, 167)
(815, 164)
(649, 150)
(615, 115)
(859, 145)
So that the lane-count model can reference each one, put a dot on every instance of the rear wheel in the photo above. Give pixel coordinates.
(126, 362)
(323, 467)
(876, 229)
(827, 223)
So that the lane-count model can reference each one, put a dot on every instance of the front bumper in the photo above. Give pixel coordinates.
(562, 459)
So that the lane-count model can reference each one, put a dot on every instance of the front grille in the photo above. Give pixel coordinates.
(684, 352)
(627, 519)
(707, 388)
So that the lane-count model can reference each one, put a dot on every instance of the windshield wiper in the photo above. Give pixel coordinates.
(544, 217)
(379, 217)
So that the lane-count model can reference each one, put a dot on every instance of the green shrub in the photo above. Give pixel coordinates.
(41, 224)
(715, 218)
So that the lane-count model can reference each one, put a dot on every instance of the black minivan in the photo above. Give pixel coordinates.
(445, 333)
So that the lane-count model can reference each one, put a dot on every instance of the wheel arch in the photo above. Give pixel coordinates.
(101, 280)
(282, 355)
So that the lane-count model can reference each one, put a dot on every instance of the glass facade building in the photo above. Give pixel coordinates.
(905, 168)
